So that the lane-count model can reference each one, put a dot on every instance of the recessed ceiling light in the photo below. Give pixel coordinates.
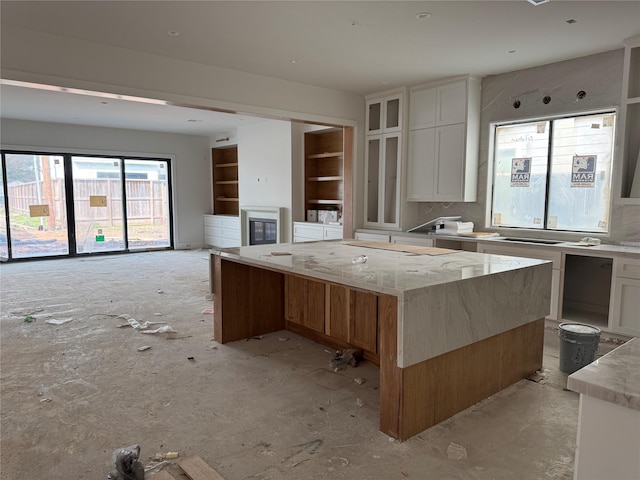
(295, 61)
(537, 2)
(423, 15)
(174, 33)
(511, 51)
(104, 103)
(571, 20)
(194, 120)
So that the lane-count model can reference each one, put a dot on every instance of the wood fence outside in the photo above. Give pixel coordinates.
(146, 200)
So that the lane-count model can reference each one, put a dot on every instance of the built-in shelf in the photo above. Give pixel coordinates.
(325, 155)
(324, 169)
(317, 201)
(325, 179)
(225, 180)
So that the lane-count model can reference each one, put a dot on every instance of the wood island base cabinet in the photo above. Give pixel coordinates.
(252, 301)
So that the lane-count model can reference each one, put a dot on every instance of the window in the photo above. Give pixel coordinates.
(554, 174)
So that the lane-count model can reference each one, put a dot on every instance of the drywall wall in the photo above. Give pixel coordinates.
(600, 76)
(190, 160)
(264, 168)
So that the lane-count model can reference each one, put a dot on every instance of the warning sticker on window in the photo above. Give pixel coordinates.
(521, 172)
(583, 171)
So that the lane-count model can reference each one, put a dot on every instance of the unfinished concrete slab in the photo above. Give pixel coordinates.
(265, 408)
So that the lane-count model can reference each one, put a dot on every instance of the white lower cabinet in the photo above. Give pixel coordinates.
(222, 231)
(313, 232)
(624, 312)
(372, 237)
(405, 240)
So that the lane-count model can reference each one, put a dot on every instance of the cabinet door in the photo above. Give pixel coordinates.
(363, 325)
(391, 175)
(304, 302)
(339, 312)
(421, 164)
(392, 113)
(452, 103)
(384, 115)
(332, 233)
(449, 172)
(314, 316)
(372, 175)
(295, 297)
(374, 116)
(625, 296)
(423, 108)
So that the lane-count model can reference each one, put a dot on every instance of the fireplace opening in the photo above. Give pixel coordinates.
(263, 231)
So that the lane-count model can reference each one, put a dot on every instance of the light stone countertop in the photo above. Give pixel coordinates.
(562, 245)
(388, 272)
(614, 377)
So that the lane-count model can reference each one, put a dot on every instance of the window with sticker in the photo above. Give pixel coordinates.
(554, 174)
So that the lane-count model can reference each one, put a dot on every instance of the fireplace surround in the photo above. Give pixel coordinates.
(265, 215)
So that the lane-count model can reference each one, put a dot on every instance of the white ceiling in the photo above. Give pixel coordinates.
(355, 46)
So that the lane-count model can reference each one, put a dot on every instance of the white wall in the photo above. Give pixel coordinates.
(264, 168)
(190, 162)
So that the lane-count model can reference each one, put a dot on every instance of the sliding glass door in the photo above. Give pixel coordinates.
(36, 202)
(53, 204)
(147, 192)
(97, 204)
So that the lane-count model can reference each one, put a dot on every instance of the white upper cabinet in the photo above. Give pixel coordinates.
(383, 159)
(437, 106)
(384, 114)
(444, 124)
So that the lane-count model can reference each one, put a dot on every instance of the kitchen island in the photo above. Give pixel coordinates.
(447, 328)
(608, 439)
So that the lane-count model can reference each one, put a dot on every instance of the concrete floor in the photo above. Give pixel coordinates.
(265, 408)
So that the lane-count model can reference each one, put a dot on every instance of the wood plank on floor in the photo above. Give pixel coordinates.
(197, 469)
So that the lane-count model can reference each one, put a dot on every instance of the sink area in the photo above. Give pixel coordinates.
(533, 240)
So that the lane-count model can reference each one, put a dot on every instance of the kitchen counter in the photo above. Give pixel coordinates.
(614, 377)
(569, 246)
(447, 329)
(608, 439)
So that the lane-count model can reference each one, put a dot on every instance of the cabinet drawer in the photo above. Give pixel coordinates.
(422, 242)
(626, 267)
(231, 222)
(310, 232)
(372, 237)
(230, 233)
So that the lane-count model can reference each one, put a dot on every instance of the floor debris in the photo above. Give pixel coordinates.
(456, 452)
(143, 348)
(54, 321)
(360, 402)
(29, 319)
(127, 465)
(342, 358)
(359, 380)
(207, 311)
(165, 329)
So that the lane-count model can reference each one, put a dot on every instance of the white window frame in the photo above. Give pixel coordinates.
(490, 169)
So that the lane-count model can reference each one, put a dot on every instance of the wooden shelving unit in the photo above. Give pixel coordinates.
(324, 170)
(225, 180)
